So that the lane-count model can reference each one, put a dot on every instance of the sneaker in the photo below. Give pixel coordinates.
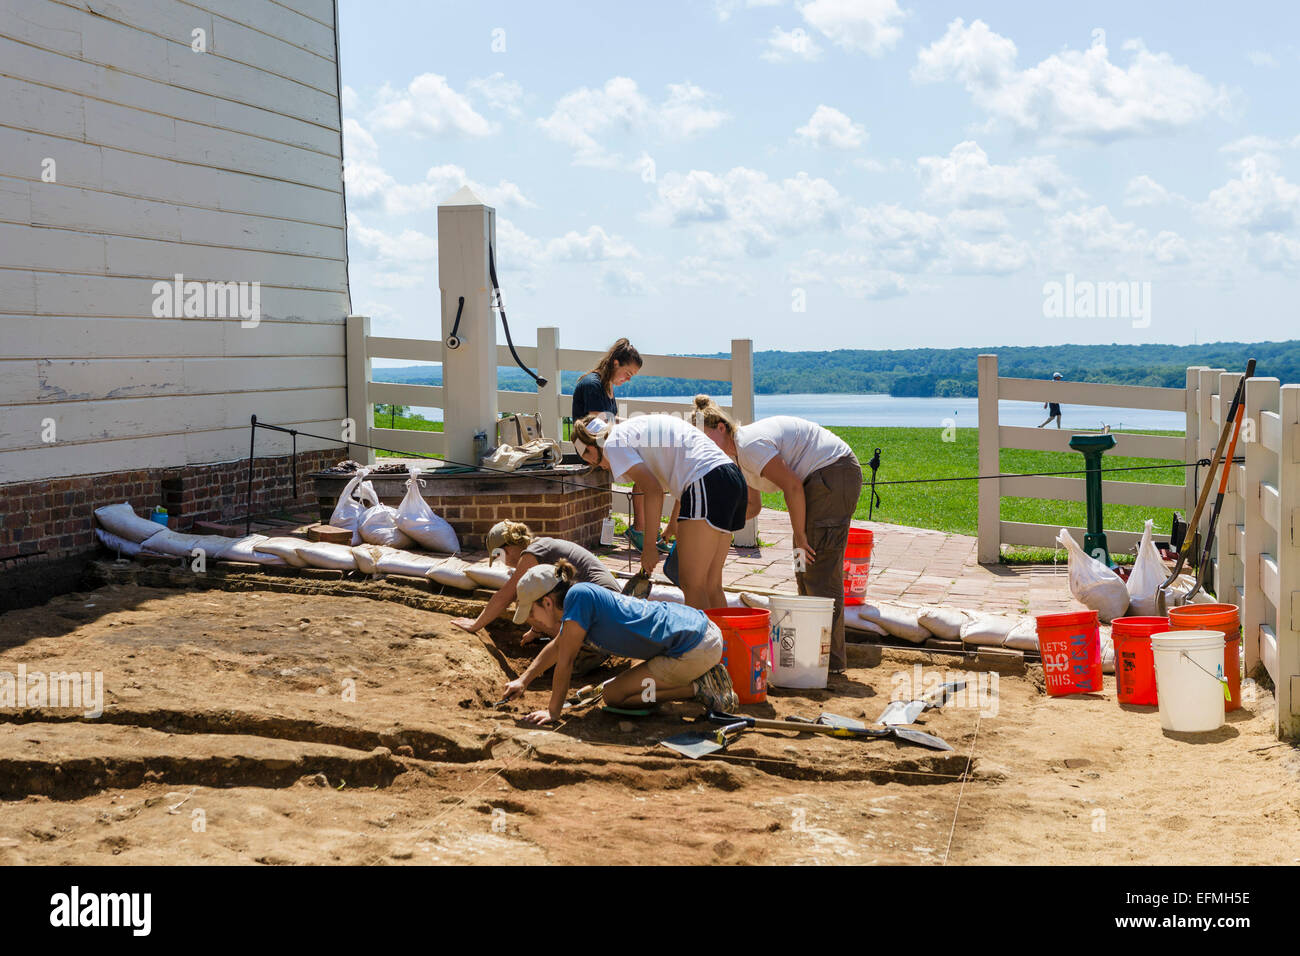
(715, 691)
(636, 537)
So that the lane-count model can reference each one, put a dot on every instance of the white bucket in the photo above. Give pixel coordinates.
(801, 640)
(1189, 679)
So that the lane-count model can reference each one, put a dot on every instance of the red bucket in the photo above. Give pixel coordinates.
(857, 566)
(745, 649)
(1216, 617)
(1135, 670)
(1071, 649)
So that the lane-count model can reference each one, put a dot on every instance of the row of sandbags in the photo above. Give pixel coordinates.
(412, 522)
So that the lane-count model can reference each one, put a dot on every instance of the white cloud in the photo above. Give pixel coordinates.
(828, 127)
(878, 284)
(1260, 144)
(498, 92)
(1072, 94)
(787, 46)
(584, 114)
(595, 245)
(427, 106)
(982, 221)
(398, 261)
(965, 177)
(863, 26)
(1094, 239)
(1262, 58)
(1259, 201)
(620, 281)
(725, 8)
(1145, 191)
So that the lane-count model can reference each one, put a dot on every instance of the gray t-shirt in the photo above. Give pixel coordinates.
(591, 570)
(803, 445)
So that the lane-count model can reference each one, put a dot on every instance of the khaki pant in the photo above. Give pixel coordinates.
(831, 494)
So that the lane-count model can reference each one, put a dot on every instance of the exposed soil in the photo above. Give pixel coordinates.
(261, 727)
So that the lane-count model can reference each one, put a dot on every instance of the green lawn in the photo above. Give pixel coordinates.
(407, 422)
(951, 506)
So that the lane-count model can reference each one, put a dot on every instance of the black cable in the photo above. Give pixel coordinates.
(501, 307)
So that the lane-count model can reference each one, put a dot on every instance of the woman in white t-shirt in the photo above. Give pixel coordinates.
(663, 454)
(821, 479)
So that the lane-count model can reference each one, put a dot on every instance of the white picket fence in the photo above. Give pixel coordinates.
(549, 360)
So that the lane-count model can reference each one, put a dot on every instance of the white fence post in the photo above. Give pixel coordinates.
(1193, 432)
(1206, 388)
(1287, 686)
(989, 528)
(742, 410)
(360, 409)
(1228, 578)
(548, 396)
(1261, 393)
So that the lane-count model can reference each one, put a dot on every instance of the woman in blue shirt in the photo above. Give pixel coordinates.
(595, 390)
(680, 649)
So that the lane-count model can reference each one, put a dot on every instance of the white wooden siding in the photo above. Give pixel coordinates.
(223, 166)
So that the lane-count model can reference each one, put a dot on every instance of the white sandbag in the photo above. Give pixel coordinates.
(666, 592)
(1147, 576)
(854, 621)
(943, 622)
(120, 546)
(988, 630)
(1093, 584)
(897, 621)
(242, 549)
(755, 600)
(1024, 636)
(491, 576)
(283, 547)
(734, 600)
(451, 572)
(416, 519)
(367, 555)
(181, 545)
(378, 525)
(122, 521)
(1107, 655)
(357, 496)
(1176, 592)
(406, 564)
(326, 554)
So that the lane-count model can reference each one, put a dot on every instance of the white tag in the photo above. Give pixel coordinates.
(607, 531)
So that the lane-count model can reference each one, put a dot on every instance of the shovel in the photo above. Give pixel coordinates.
(638, 586)
(697, 744)
(832, 725)
(906, 711)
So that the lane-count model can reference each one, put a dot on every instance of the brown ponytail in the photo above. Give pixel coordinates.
(568, 574)
(621, 352)
(707, 414)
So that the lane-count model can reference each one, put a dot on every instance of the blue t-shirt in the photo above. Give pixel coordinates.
(590, 396)
(630, 627)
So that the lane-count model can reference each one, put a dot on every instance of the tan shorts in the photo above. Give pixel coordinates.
(680, 671)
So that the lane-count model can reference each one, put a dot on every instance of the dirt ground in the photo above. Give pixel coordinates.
(278, 728)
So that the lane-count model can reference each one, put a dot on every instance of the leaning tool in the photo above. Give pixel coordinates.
(638, 585)
(906, 711)
(831, 725)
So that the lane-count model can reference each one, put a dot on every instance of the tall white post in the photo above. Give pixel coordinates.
(742, 410)
(360, 408)
(466, 229)
(1192, 443)
(1227, 571)
(1287, 692)
(548, 396)
(1206, 388)
(1261, 395)
(989, 521)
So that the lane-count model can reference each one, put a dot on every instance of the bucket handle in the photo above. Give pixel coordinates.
(1227, 694)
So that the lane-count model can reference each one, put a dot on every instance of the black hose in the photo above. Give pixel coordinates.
(501, 307)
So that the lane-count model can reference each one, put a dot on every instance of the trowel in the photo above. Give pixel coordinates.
(906, 711)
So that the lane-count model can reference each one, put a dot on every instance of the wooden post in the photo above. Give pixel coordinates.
(548, 396)
(466, 230)
(1287, 690)
(989, 548)
(360, 409)
(1261, 393)
(742, 410)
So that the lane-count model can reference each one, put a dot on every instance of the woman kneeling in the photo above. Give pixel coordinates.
(678, 646)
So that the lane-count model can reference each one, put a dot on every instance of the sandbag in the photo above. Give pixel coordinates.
(406, 564)
(378, 525)
(756, 600)
(242, 549)
(120, 546)
(357, 496)
(942, 622)
(1024, 636)
(854, 621)
(897, 621)
(1178, 591)
(1107, 654)
(367, 555)
(1147, 576)
(734, 600)
(451, 572)
(1093, 584)
(491, 576)
(326, 554)
(417, 521)
(180, 545)
(122, 521)
(989, 630)
(666, 592)
(283, 547)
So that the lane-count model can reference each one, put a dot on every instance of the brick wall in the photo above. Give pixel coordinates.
(46, 520)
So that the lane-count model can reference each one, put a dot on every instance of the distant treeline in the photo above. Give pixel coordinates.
(935, 372)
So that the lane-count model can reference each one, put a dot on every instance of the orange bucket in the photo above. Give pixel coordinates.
(857, 565)
(1071, 648)
(1216, 617)
(745, 649)
(1135, 669)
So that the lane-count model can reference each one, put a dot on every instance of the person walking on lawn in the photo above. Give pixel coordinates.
(1053, 409)
(821, 480)
(662, 453)
(680, 649)
(515, 544)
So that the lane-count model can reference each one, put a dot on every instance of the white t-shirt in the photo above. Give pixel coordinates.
(676, 452)
(803, 445)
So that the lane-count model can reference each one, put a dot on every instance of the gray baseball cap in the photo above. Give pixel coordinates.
(537, 582)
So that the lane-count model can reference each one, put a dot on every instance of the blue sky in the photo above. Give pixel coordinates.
(913, 176)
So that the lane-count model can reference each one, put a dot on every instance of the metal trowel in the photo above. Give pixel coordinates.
(906, 711)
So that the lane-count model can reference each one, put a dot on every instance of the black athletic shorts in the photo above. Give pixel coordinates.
(721, 498)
